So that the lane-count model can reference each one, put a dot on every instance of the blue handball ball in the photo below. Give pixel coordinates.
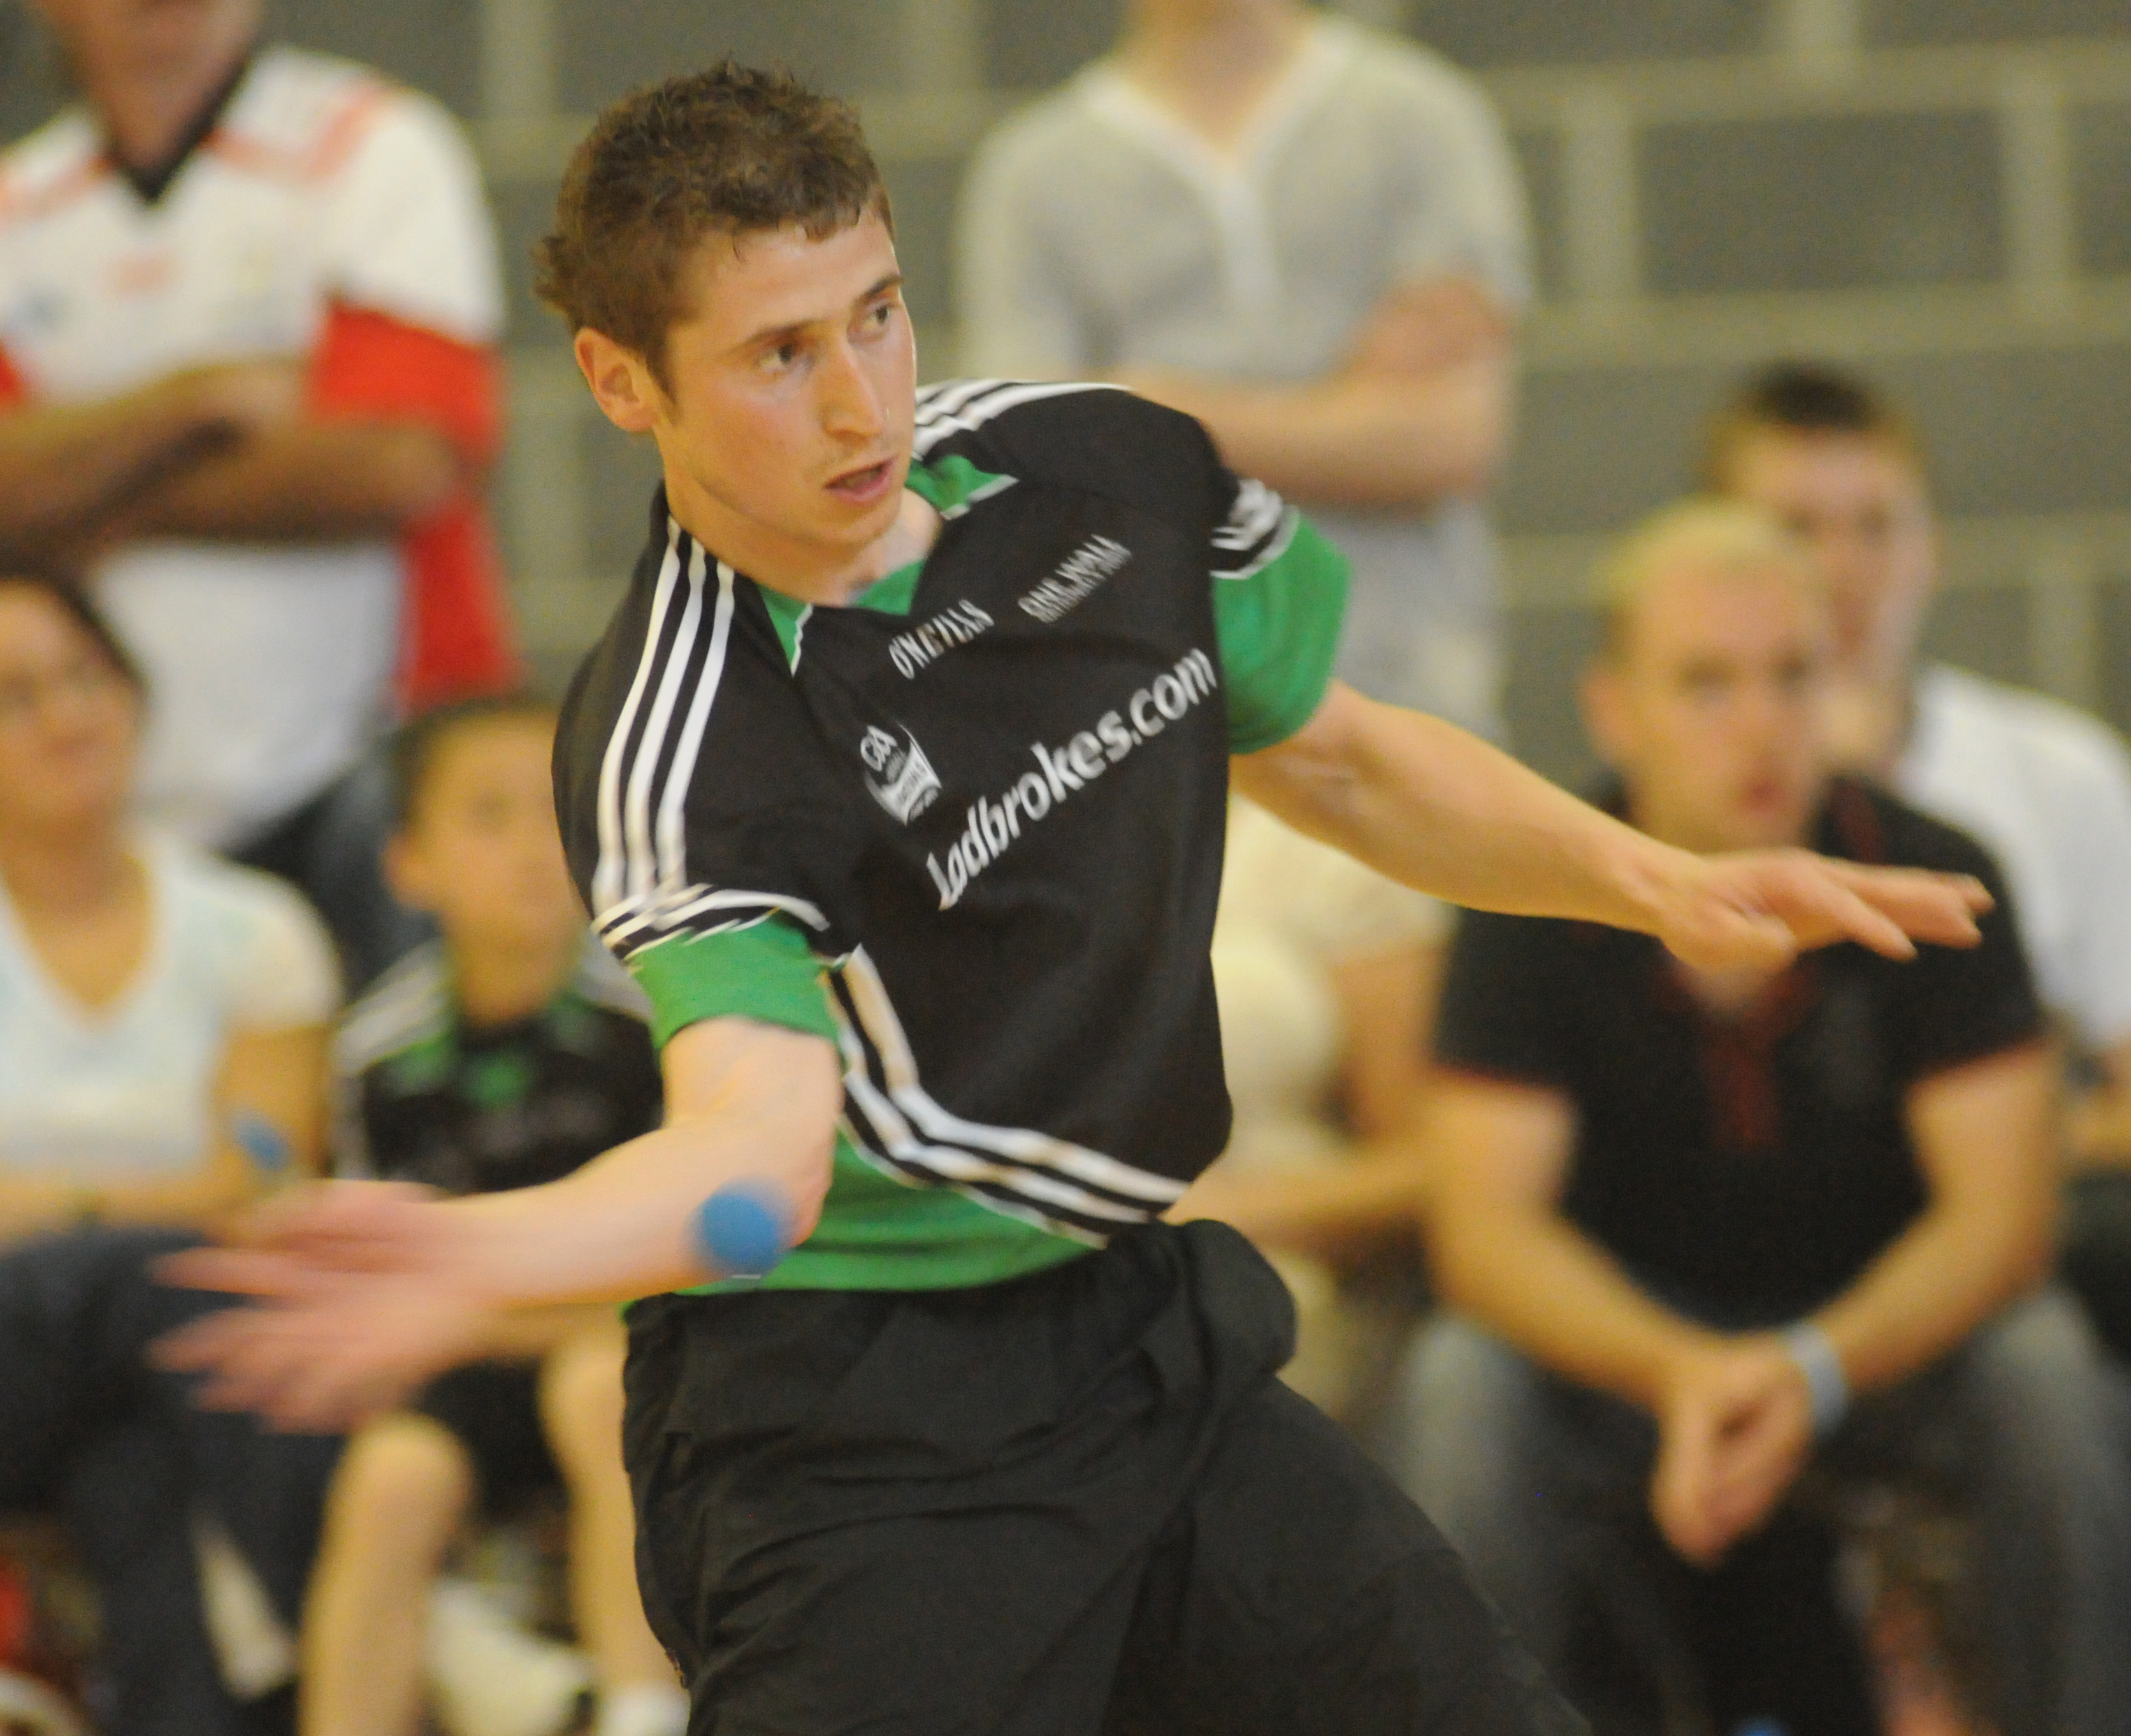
(743, 1230)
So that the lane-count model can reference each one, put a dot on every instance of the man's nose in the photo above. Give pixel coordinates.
(850, 406)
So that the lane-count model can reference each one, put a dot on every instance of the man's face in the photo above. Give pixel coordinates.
(785, 424)
(1858, 503)
(70, 722)
(1710, 706)
(111, 35)
(480, 851)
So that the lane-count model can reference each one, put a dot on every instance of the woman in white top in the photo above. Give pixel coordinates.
(163, 1014)
(1326, 974)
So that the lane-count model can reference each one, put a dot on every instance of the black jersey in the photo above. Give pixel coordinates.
(969, 828)
(422, 1096)
(1745, 1169)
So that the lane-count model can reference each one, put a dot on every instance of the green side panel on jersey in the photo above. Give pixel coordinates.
(877, 1233)
(1278, 631)
(767, 973)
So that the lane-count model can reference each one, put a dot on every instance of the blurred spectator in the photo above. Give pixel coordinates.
(1326, 974)
(163, 1020)
(1725, 1250)
(162, 1499)
(1310, 237)
(2045, 786)
(247, 301)
(162, 1013)
(503, 1056)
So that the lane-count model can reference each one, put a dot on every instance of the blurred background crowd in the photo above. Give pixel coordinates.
(305, 516)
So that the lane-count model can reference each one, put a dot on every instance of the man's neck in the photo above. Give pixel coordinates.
(1213, 67)
(63, 873)
(808, 572)
(502, 985)
(147, 106)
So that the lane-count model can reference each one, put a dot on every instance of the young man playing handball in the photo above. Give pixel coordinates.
(898, 781)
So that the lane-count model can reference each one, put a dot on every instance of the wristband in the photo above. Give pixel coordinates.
(1807, 1347)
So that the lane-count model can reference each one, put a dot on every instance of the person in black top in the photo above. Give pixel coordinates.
(1721, 1243)
(503, 1055)
(898, 781)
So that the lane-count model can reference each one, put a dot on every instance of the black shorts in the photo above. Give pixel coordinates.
(1077, 1504)
(493, 1410)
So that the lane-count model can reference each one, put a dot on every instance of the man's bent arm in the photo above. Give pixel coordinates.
(745, 1102)
(1985, 1138)
(1501, 1251)
(1371, 439)
(310, 480)
(66, 469)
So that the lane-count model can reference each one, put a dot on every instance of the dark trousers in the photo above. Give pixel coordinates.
(88, 1428)
(1077, 1504)
(1544, 1487)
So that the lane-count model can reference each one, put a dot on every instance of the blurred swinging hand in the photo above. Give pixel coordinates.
(356, 1303)
(1757, 910)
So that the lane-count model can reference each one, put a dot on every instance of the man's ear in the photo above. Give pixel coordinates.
(621, 382)
(1605, 708)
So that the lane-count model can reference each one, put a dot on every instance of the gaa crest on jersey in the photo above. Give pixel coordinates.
(897, 773)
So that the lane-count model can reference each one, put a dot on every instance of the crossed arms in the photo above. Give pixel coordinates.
(219, 453)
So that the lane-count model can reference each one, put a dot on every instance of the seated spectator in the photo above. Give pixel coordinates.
(503, 1055)
(2046, 787)
(1326, 974)
(1721, 1250)
(163, 1014)
(163, 1020)
(196, 1528)
(248, 298)
(1309, 235)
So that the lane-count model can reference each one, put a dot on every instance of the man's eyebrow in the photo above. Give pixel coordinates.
(770, 335)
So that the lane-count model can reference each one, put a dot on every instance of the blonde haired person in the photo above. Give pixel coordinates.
(1719, 1246)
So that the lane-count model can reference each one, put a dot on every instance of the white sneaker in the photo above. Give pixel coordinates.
(491, 1677)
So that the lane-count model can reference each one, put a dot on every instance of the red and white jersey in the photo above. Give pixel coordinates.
(335, 220)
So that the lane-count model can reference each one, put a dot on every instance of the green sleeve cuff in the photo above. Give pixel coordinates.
(766, 973)
(1279, 632)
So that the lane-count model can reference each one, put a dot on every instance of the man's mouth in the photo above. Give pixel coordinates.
(862, 486)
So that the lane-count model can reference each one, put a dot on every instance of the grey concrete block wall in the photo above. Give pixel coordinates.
(1933, 190)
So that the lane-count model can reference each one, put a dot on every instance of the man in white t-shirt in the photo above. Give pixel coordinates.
(2043, 786)
(248, 303)
(1310, 236)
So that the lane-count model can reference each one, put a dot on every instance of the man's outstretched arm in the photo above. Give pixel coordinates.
(371, 1289)
(1436, 808)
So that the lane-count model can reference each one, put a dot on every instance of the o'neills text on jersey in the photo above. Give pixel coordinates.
(936, 635)
(992, 823)
(1079, 576)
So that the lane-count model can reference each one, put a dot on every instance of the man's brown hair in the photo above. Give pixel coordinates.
(731, 151)
(1801, 398)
